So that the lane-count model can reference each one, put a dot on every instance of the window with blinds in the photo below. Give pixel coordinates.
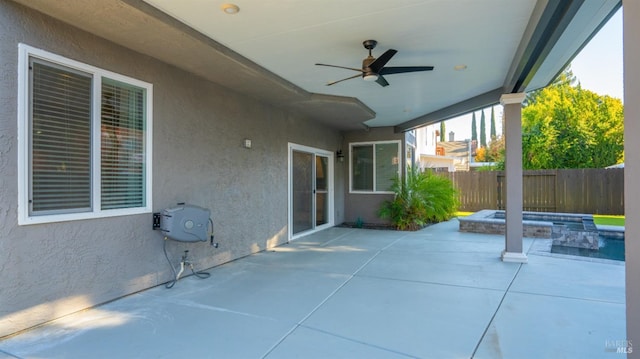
(122, 147)
(373, 166)
(87, 136)
(362, 168)
(60, 140)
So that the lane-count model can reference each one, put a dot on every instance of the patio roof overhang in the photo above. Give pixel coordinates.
(533, 41)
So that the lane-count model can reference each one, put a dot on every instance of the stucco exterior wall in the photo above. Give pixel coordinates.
(365, 206)
(50, 270)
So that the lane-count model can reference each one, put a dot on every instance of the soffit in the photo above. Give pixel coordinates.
(268, 50)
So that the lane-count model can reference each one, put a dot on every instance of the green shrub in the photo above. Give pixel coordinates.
(421, 198)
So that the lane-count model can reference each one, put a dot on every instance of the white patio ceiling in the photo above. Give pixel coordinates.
(268, 49)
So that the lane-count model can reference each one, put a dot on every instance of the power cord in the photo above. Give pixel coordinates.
(173, 270)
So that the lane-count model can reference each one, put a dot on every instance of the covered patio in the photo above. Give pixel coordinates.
(358, 293)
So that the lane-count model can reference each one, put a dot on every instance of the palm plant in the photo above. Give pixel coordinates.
(421, 198)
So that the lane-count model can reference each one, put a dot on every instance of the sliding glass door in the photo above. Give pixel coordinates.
(302, 186)
(321, 190)
(310, 188)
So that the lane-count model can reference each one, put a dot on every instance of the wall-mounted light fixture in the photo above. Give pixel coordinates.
(340, 156)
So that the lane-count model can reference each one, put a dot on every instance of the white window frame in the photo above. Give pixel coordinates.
(25, 53)
(372, 143)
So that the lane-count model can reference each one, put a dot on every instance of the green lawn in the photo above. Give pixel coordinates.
(597, 219)
(463, 214)
(609, 220)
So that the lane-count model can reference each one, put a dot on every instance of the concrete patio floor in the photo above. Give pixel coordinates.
(356, 293)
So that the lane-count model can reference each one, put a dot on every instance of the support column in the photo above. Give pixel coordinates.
(512, 104)
(631, 58)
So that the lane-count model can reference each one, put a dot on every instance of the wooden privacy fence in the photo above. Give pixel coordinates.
(596, 191)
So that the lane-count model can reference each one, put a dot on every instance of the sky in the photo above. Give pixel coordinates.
(598, 68)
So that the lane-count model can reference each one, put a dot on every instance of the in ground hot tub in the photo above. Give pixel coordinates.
(566, 229)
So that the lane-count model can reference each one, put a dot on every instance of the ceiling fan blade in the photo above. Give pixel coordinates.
(403, 69)
(341, 67)
(381, 80)
(348, 78)
(379, 63)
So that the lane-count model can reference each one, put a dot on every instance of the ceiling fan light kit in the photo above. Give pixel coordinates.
(373, 68)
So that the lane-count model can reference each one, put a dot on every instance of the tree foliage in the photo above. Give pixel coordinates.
(483, 130)
(481, 154)
(493, 125)
(474, 131)
(565, 126)
(494, 152)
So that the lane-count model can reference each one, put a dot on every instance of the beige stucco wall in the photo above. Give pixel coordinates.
(359, 205)
(50, 270)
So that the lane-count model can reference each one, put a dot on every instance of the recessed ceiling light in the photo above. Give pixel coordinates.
(230, 9)
(460, 67)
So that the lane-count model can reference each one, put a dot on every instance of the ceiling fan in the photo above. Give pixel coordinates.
(373, 69)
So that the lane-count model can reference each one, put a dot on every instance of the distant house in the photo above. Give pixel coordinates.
(441, 155)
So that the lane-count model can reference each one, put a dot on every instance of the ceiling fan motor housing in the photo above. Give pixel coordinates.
(367, 73)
